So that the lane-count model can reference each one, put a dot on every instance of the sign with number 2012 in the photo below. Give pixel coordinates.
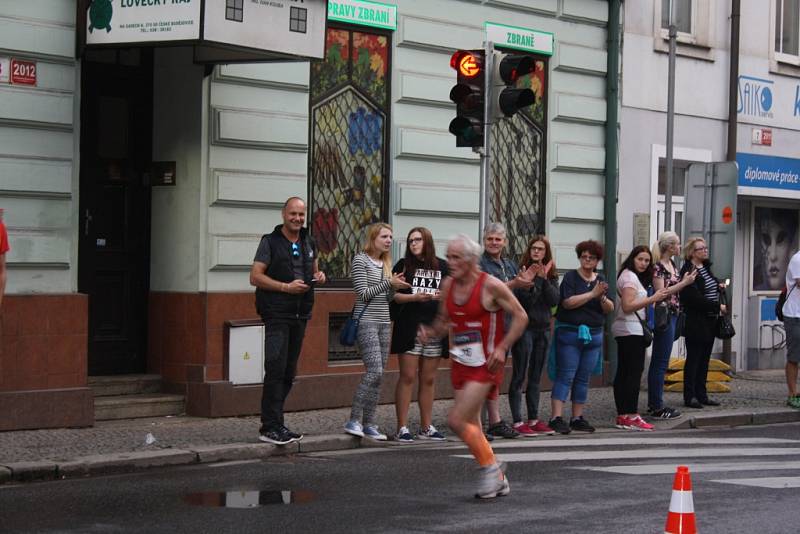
(23, 72)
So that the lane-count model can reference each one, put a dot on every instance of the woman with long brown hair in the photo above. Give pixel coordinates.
(530, 350)
(415, 306)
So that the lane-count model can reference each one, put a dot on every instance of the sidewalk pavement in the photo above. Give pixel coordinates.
(757, 397)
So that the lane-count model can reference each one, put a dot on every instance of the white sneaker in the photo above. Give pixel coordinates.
(372, 432)
(431, 433)
(354, 428)
(493, 483)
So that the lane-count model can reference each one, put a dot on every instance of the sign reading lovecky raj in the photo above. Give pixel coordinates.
(137, 21)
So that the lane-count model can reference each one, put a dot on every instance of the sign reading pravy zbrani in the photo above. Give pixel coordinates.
(525, 39)
(364, 13)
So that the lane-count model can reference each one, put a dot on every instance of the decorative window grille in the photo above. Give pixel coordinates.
(519, 183)
(348, 164)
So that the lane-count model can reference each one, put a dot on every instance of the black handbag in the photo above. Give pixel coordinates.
(662, 316)
(349, 333)
(647, 332)
(725, 328)
(680, 324)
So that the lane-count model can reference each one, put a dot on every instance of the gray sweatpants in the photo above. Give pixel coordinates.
(373, 344)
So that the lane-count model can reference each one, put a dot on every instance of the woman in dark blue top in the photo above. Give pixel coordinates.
(579, 336)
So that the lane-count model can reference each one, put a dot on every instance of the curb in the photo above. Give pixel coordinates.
(139, 460)
(124, 462)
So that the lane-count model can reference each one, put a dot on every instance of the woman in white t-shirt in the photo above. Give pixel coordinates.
(635, 277)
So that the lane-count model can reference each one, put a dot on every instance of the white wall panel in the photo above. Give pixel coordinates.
(438, 34)
(284, 75)
(24, 104)
(579, 108)
(35, 177)
(257, 189)
(37, 37)
(426, 144)
(416, 197)
(580, 58)
(269, 130)
(575, 157)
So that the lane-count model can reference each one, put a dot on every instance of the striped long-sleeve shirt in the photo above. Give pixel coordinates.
(373, 289)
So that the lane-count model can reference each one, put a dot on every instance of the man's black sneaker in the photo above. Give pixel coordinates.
(502, 430)
(579, 424)
(294, 435)
(559, 425)
(276, 436)
(664, 413)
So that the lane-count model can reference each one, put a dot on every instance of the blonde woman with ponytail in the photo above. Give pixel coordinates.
(665, 276)
(374, 285)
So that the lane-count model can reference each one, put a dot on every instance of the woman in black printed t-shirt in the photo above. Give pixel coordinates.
(412, 307)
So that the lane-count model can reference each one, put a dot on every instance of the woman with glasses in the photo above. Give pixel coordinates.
(530, 350)
(579, 336)
(633, 282)
(701, 304)
(374, 285)
(665, 276)
(414, 306)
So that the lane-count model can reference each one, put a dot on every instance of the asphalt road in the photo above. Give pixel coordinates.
(744, 480)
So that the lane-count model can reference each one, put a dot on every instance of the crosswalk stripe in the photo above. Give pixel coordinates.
(524, 443)
(767, 482)
(642, 453)
(668, 469)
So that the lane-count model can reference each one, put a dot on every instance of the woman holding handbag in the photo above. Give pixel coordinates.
(701, 304)
(412, 307)
(665, 276)
(633, 335)
(375, 285)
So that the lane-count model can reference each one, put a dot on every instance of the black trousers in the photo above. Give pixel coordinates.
(630, 365)
(282, 343)
(695, 370)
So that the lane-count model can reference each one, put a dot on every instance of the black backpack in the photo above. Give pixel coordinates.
(781, 301)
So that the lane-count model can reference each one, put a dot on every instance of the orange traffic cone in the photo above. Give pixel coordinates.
(680, 519)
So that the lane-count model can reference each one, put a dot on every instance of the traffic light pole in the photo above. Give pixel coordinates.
(485, 151)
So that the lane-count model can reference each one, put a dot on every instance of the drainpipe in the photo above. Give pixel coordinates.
(733, 86)
(612, 149)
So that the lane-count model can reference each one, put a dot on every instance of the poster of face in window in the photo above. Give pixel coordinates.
(775, 239)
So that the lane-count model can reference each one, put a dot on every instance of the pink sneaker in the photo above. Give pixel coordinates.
(541, 428)
(524, 430)
(637, 423)
(622, 422)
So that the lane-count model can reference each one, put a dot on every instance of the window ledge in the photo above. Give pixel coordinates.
(685, 48)
(784, 68)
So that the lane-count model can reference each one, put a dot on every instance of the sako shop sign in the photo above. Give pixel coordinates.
(755, 97)
(525, 39)
(220, 30)
(364, 13)
(770, 172)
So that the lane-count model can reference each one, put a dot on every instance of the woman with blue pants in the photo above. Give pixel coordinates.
(578, 336)
(665, 276)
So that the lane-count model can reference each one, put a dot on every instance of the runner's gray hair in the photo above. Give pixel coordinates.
(470, 248)
(495, 228)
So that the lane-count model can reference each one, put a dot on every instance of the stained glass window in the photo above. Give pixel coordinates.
(518, 184)
(349, 132)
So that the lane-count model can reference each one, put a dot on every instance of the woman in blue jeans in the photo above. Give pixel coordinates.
(665, 276)
(578, 336)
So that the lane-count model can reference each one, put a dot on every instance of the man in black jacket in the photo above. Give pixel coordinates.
(284, 273)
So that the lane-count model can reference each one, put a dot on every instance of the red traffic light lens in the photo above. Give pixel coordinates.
(466, 63)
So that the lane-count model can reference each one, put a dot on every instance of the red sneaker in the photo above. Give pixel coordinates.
(524, 430)
(637, 423)
(541, 428)
(622, 422)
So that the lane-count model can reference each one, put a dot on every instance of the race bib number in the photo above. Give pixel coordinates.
(467, 348)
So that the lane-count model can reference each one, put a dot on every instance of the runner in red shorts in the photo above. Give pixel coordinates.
(472, 307)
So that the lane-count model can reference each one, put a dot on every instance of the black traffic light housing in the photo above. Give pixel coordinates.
(469, 95)
(508, 69)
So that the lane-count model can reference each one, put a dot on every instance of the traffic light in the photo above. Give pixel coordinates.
(508, 69)
(469, 94)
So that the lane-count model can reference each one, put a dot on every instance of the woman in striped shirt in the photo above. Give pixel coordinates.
(701, 304)
(374, 285)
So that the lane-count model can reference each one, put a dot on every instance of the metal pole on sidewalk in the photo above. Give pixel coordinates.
(673, 34)
(485, 151)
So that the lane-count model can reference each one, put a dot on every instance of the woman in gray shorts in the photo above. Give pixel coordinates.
(418, 304)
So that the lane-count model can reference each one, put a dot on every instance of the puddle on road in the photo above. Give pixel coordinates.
(248, 499)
